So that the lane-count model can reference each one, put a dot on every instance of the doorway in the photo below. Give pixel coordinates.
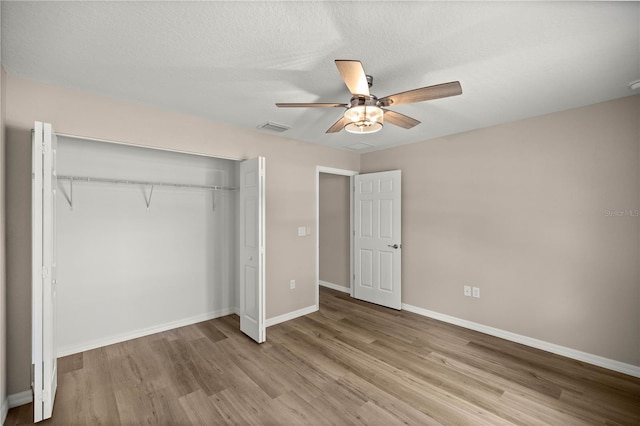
(334, 228)
(375, 235)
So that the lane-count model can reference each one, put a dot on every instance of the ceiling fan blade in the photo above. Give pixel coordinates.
(398, 119)
(309, 105)
(423, 94)
(338, 125)
(354, 77)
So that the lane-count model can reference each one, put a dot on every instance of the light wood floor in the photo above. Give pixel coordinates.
(349, 363)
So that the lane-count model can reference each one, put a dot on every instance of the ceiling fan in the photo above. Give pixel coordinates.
(365, 113)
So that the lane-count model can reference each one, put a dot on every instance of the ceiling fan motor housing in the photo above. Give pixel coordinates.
(363, 101)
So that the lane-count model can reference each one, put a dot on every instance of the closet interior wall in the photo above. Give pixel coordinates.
(125, 270)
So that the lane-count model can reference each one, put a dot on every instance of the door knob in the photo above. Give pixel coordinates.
(395, 246)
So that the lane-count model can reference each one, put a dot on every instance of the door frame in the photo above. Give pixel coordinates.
(340, 172)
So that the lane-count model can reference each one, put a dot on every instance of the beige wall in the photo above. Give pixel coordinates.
(3, 287)
(521, 211)
(518, 210)
(334, 219)
(290, 189)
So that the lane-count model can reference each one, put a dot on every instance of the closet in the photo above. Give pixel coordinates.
(129, 241)
(146, 240)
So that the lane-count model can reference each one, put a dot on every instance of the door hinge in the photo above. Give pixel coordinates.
(40, 395)
(44, 272)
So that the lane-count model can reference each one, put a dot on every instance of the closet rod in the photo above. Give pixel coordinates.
(139, 182)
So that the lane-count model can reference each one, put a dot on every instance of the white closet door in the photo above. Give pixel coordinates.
(44, 270)
(377, 243)
(252, 249)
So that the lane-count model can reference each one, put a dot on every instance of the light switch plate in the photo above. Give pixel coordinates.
(302, 231)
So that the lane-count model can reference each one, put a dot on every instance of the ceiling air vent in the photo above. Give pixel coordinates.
(274, 127)
(358, 146)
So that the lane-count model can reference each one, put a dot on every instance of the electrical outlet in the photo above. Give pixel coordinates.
(467, 290)
(476, 292)
(292, 284)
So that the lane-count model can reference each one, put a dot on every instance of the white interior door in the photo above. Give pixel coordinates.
(44, 271)
(377, 244)
(252, 249)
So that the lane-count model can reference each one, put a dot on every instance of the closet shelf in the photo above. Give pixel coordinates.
(146, 183)
(152, 184)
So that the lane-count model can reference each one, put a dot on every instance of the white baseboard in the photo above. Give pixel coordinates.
(621, 367)
(4, 409)
(98, 343)
(334, 286)
(291, 315)
(20, 398)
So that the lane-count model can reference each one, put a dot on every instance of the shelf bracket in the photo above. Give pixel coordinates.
(69, 196)
(147, 200)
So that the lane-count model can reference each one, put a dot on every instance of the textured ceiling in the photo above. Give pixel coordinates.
(231, 61)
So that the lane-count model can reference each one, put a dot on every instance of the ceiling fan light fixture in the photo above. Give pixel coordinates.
(362, 127)
(364, 119)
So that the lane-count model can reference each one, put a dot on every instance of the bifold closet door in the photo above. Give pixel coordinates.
(44, 271)
(252, 248)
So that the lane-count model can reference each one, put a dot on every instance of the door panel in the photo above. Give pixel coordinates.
(366, 218)
(44, 286)
(386, 219)
(366, 268)
(252, 249)
(386, 271)
(251, 286)
(377, 241)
